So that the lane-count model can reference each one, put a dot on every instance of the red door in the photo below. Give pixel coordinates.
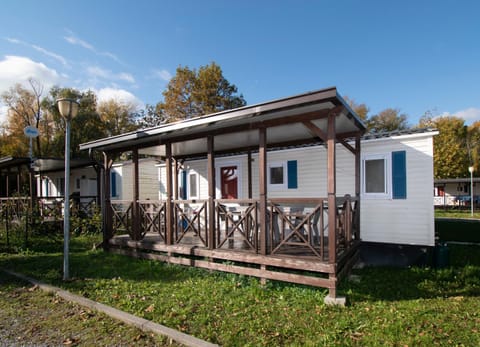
(229, 182)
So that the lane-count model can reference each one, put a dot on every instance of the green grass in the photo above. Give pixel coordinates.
(451, 213)
(388, 307)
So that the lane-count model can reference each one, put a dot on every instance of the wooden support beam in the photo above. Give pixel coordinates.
(347, 146)
(262, 178)
(175, 179)
(332, 207)
(315, 131)
(211, 192)
(249, 173)
(169, 203)
(107, 203)
(136, 223)
(358, 183)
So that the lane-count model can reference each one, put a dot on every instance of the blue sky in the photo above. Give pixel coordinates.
(412, 55)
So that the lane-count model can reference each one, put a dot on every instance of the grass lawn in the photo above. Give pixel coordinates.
(451, 213)
(388, 306)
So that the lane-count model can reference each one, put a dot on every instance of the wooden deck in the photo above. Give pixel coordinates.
(297, 243)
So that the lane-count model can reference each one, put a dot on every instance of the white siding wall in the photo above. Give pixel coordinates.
(148, 180)
(75, 174)
(403, 221)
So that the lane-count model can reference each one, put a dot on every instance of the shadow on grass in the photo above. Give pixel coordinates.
(461, 278)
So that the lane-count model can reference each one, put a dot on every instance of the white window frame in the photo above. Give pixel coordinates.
(277, 186)
(387, 169)
(197, 182)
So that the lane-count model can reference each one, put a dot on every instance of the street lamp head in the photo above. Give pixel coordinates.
(471, 169)
(68, 108)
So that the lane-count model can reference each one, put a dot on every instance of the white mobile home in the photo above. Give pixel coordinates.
(304, 174)
(396, 181)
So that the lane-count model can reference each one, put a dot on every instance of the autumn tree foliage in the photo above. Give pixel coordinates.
(192, 93)
(389, 119)
(450, 153)
(24, 109)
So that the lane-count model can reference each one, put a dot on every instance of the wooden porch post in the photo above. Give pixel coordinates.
(332, 206)
(19, 178)
(169, 204)
(262, 166)
(7, 182)
(211, 192)
(249, 173)
(136, 223)
(358, 182)
(175, 179)
(107, 203)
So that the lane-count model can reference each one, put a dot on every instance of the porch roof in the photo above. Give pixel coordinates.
(238, 128)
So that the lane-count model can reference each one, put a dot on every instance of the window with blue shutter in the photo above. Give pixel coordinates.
(292, 174)
(399, 175)
(113, 184)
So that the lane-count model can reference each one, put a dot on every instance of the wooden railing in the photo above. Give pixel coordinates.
(237, 224)
(122, 217)
(295, 226)
(190, 222)
(152, 214)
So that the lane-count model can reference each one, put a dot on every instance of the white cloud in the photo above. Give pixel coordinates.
(98, 72)
(74, 40)
(470, 114)
(42, 50)
(162, 74)
(14, 69)
(121, 95)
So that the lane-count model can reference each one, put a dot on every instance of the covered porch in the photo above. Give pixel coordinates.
(300, 239)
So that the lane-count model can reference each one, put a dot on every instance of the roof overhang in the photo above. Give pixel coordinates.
(45, 165)
(284, 120)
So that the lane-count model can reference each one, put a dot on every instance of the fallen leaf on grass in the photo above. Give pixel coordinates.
(70, 341)
(32, 289)
(150, 308)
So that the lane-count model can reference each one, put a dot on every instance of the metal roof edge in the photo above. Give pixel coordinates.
(259, 108)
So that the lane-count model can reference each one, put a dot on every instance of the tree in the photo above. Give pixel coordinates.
(450, 154)
(150, 116)
(192, 93)
(24, 109)
(473, 145)
(389, 119)
(360, 109)
(86, 126)
(117, 117)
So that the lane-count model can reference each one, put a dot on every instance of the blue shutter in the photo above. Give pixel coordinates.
(113, 184)
(183, 191)
(399, 175)
(292, 174)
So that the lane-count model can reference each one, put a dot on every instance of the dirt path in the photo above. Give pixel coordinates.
(30, 317)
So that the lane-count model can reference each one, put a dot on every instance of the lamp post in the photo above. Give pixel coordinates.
(68, 110)
(470, 169)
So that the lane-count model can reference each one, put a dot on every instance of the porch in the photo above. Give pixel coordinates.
(307, 240)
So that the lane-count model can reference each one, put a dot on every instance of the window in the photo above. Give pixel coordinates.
(193, 185)
(385, 176)
(282, 175)
(113, 184)
(60, 183)
(376, 176)
(277, 175)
